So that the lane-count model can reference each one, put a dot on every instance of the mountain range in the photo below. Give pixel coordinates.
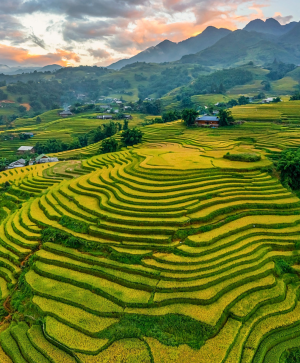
(18, 70)
(168, 51)
(260, 41)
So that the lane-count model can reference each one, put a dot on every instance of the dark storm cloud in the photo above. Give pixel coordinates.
(78, 8)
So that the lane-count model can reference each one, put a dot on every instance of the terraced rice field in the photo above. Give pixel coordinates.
(164, 252)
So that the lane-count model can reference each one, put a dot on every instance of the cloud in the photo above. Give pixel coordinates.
(78, 8)
(99, 53)
(12, 30)
(283, 19)
(84, 30)
(19, 56)
(36, 40)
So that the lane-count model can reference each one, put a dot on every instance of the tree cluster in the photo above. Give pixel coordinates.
(100, 133)
(171, 116)
(289, 167)
(295, 97)
(278, 70)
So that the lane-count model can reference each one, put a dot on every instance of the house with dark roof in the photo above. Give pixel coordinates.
(66, 113)
(207, 121)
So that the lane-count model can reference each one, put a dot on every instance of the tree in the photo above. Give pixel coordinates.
(22, 109)
(267, 85)
(289, 167)
(109, 145)
(189, 116)
(20, 99)
(276, 100)
(132, 136)
(243, 100)
(186, 102)
(295, 97)
(38, 120)
(225, 117)
(125, 126)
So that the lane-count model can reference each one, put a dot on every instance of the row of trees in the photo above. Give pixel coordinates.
(100, 133)
(129, 137)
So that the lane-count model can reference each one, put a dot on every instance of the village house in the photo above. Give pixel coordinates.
(29, 134)
(128, 117)
(268, 100)
(17, 164)
(26, 149)
(66, 113)
(104, 117)
(207, 121)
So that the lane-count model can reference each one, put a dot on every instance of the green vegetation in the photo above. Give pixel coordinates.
(247, 157)
(163, 242)
(289, 167)
(189, 116)
(131, 137)
(225, 117)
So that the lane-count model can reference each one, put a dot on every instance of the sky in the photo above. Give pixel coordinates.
(100, 32)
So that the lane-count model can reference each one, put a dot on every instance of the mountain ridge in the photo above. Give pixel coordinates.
(271, 32)
(168, 51)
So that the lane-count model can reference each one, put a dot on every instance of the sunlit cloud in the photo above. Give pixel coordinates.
(20, 56)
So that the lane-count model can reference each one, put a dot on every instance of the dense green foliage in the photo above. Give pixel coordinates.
(295, 97)
(278, 70)
(225, 117)
(289, 167)
(100, 133)
(132, 137)
(109, 145)
(170, 329)
(246, 157)
(189, 116)
(41, 94)
(221, 81)
(171, 116)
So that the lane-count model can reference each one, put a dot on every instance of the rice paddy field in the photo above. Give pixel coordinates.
(55, 127)
(163, 252)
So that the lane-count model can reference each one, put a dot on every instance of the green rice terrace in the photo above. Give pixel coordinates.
(163, 252)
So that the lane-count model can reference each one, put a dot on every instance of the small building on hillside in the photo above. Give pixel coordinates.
(26, 149)
(66, 113)
(40, 158)
(207, 121)
(47, 160)
(17, 164)
(29, 134)
(107, 117)
(268, 100)
(128, 117)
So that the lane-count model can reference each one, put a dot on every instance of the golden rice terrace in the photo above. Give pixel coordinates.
(165, 252)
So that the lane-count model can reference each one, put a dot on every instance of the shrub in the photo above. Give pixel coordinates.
(109, 145)
(289, 167)
(132, 137)
(246, 157)
(283, 267)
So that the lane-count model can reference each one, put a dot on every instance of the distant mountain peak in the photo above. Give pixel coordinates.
(269, 26)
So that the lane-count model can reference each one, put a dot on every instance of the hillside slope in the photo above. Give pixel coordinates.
(165, 252)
